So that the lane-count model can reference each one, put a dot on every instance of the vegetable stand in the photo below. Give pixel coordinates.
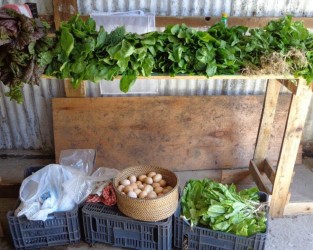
(260, 166)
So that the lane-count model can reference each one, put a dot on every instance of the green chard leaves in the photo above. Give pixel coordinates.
(81, 52)
(220, 207)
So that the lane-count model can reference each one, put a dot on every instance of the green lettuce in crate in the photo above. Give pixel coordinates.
(220, 207)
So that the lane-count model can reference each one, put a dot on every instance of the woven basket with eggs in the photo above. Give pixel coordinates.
(146, 193)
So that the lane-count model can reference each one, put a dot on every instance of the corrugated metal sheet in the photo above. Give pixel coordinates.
(203, 7)
(29, 126)
(43, 6)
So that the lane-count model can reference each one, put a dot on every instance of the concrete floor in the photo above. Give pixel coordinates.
(287, 233)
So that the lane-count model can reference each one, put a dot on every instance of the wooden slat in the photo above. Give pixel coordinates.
(71, 92)
(296, 208)
(269, 170)
(182, 133)
(254, 171)
(63, 10)
(197, 77)
(292, 136)
(291, 86)
(267, 119)
(201, 21)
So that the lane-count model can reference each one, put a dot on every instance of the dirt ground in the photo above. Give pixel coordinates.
(288, 233)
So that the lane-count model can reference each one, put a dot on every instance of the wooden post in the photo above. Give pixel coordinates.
(295, 123)
(63, 10)
(71, 92)
(266, 124)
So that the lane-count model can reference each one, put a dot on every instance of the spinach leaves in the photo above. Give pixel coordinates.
(219, 207)
(82, 53)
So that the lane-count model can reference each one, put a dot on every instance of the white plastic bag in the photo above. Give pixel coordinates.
(42, 192)
(79, 188)
(135, 21)
(80, 159)
(59, 188)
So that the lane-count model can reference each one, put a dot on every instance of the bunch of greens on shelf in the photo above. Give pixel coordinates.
(220, 207)
(83, 53)
(24, 51)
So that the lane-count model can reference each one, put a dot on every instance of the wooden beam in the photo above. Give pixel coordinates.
(254, 171)
(199, 77)
(63, 10)
(291, 140)
(201, 21)
(71, 92)
(296, 208)
(267, 119)
(269, 171)
(291, 86)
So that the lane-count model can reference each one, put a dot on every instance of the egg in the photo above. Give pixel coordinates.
(151, 174)
(125, 182)
(142, 177)
(148, 188)
(148, 180)
(160, 194)
(152, 195)
(134, 185)
(141, 186)
(167, 189)
(158, 190)
(138, 183)
(132, 194)
(142, 194)
(155, 185)
(127, 189)
(120, 188)
(132, 178)
(137, 191)
(157, 178)
(162, 183)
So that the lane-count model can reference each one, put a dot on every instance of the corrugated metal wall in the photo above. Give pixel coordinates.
(29, 126)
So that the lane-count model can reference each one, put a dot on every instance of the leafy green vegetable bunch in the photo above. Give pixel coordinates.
(83, 53)
(219, 207)
(281, 43)
(23, 44)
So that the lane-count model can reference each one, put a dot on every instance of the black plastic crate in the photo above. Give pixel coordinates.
(108, 225)
(61, 228)
(201, 238)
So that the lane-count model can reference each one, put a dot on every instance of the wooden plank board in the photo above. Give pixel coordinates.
(254, 171)
(63, 10)
(269, 170)
(71, 92)
(296, 208)
(292, 136)
(267, 119)
(179, 133)
(202, 21)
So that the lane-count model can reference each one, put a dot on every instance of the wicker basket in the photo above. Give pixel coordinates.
(155, 209)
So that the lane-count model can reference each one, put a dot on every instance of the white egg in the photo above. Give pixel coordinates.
(132, 178)
(157, 178)
(132, 194)
(125, 182)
